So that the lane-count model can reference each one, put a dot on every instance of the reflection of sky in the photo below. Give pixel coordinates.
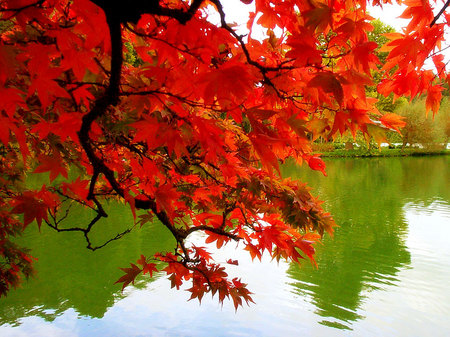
(419, 303)
(65, 326)
(161, 311)
(425, 221)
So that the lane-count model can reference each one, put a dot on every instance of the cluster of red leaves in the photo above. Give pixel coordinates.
(201, 120)
(15, 261)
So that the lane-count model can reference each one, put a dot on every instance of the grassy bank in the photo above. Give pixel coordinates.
(383, 152)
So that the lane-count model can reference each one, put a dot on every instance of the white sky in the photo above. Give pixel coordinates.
(237, 12)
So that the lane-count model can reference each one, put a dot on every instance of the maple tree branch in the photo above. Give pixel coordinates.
(213, 230)
(81, 202)
(154, 37)
(264, 70)
(111, 98)
(19, 9)
(238, 37)
(117, 237)
(131, 10)
(438, 15)
(86, 231)
(178, 97)
(247, 223)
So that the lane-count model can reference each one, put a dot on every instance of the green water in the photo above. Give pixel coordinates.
(385, 272)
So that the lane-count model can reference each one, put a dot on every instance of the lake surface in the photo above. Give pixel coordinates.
(386, 271)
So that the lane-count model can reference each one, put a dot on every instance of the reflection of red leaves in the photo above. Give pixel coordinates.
(130, 275)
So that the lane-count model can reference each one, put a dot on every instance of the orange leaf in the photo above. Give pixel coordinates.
(393, 121)
(147, 267)
(229, 84)
(328, 83)
(254, 251)
(319, 18)
(262, 148)
(434, 96)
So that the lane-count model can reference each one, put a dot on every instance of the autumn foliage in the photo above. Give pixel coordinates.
(187, 121)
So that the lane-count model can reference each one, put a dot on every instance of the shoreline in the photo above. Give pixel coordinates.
(382, 152)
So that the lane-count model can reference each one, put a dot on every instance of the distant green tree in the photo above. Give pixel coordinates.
(423, 129)
(384, 104)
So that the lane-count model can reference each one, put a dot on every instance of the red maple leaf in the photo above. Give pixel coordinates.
(329, 83)
(130, 275)
(434, 96)
(34, 206)
(52, 164)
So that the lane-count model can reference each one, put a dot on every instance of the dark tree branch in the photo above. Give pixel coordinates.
(154, 37)
(213, 230)
(19, 9)
(86, 232)
(263, 69)
(115, 15)
(440, 13)
(131, 10)
(101, 105)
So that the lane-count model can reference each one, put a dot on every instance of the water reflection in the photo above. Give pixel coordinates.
(368, 250)
(70, 276)
(385, 272)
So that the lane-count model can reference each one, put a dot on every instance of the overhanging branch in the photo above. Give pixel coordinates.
(440, 13)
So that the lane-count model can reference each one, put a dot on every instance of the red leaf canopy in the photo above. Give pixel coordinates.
(154, 104)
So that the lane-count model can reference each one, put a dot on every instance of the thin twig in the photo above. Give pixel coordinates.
(440, 13)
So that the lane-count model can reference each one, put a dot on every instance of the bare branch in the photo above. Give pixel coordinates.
(440, 13)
